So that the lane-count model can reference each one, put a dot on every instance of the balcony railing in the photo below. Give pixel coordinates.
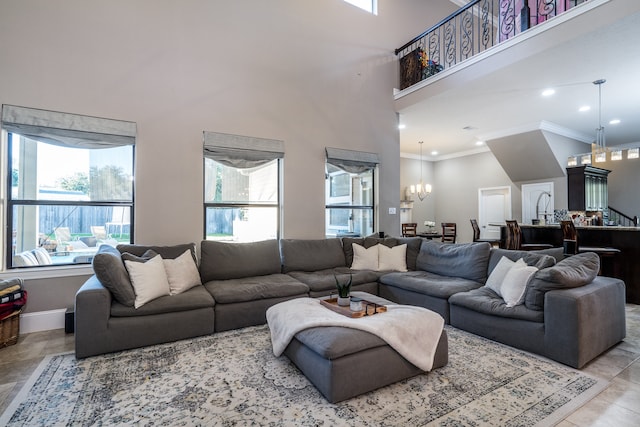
(470, 30)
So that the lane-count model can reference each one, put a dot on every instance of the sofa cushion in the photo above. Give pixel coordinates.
(515, 283)
(484, 300)
(533, 258)
(149, 280)
(220, 260)
(255, 288)
(496, 278)
(427, 283)
(182, 273)
(111, 272)
(463, 260)
(413, 247)
(324, 280)
(311, 255)
(572, 272)
(392, 259)
(365, 258)
(194, 298)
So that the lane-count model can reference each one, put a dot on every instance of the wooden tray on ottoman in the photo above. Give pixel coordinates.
(370, 308)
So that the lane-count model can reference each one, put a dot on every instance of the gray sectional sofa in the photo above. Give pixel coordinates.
(568, 314)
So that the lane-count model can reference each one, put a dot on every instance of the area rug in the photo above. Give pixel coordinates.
(232, 378)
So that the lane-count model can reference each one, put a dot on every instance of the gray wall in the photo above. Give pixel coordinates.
(312, 74)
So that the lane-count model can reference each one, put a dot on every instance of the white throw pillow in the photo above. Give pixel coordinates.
(182, 273)
(515, 284)
(149, 280)
(495, 279)
(365, 259)
(394, 258)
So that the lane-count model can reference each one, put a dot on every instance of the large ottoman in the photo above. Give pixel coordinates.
(344, 362)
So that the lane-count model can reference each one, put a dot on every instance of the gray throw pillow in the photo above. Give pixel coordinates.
(413, 249)
(146, 256)
(464, 260)
(347, 247)
(166, 252)
(111, 272)
(572, 272)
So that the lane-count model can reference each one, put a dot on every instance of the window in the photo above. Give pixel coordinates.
(370, 6)
(241, 187)
(349, 192)
(69, 186)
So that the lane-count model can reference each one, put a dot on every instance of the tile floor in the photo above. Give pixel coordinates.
(618, 405)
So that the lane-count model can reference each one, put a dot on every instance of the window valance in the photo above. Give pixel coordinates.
(68, 130)
(351, 161)
(241, 152)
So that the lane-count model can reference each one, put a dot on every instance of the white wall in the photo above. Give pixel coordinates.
(312, 74)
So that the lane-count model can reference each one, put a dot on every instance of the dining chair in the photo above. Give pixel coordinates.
(409, 229)
(448, 232)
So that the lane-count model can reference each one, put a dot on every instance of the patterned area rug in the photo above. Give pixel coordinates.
(232, 378)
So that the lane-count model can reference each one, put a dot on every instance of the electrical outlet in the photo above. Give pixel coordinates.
(392, 211)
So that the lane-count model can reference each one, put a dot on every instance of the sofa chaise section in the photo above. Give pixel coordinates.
(568, 314)
(245, 279)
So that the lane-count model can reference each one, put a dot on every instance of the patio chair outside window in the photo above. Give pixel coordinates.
(119, 218)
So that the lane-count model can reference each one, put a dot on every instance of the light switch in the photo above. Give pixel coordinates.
(392, 211)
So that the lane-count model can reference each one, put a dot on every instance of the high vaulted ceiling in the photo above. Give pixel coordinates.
(498, 92)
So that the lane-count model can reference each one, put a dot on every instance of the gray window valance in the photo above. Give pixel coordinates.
(351, 161)
(242, 152)
(68, 130)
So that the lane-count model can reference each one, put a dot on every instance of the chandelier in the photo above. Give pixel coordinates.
(600, 146)
(421, 189)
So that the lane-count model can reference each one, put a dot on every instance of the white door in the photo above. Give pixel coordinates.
(494, 210)
(537, 202)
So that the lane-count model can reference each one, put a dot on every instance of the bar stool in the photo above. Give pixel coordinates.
(572, 247)
(514, 239)
(476, 234)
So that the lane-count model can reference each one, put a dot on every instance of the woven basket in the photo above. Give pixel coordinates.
(10, 329)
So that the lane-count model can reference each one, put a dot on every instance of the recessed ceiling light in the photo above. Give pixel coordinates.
(614, 122)
(434, 153)
(479, 142)
(584, 108)
(402, 126)
(548, 92)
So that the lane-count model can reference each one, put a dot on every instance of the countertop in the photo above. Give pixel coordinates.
(581, 227)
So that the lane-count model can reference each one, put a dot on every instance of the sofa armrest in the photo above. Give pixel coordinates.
(92, 312)
(581, 323)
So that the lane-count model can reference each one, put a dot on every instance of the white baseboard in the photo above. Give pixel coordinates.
(42, 321)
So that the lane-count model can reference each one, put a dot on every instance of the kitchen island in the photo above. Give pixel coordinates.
(625, 265)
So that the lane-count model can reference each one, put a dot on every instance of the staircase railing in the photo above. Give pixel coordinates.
(619, 218)
(470, 30)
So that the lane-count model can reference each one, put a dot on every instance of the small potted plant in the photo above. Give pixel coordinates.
(344, 290)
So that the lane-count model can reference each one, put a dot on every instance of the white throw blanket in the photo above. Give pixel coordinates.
(413, 332)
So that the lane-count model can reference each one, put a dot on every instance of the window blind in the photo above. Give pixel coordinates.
(241, 152)
(351, 161)
(68, 130)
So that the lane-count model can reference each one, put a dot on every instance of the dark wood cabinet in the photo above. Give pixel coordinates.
(587, 188)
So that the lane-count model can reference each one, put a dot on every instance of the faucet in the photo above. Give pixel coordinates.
(545, 213)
